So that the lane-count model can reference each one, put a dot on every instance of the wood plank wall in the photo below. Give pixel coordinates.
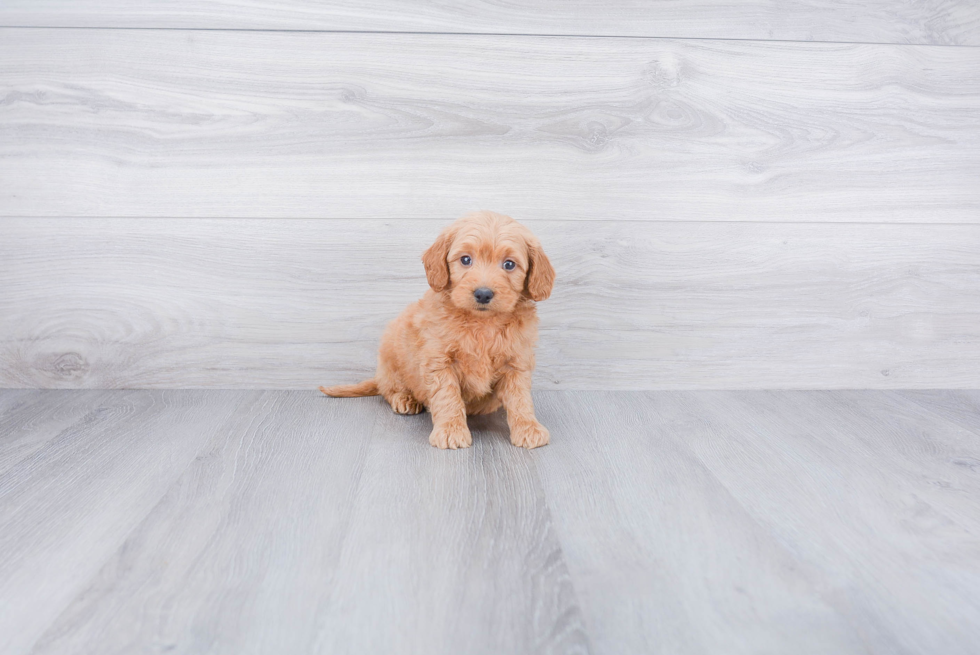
(938, 22)
(735, 195)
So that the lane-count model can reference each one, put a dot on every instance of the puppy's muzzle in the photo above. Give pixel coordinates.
(483, 295)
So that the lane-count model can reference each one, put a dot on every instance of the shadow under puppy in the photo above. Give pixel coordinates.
(467, 347)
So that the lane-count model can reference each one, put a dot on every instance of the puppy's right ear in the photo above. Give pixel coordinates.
(434, 260)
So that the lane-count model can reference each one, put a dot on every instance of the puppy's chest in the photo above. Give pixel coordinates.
(479, 363)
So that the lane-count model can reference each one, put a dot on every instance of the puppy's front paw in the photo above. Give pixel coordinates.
(530, 435)
(451, 437)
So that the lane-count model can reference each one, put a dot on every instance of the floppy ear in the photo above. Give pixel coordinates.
(540, 274)
(434, 260)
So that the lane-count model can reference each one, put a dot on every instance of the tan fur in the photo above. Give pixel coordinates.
(446, 354)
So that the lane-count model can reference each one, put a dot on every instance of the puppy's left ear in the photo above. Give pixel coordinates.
(434, 260)
(540, 274)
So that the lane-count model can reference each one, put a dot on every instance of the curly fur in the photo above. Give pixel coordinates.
(453, 356)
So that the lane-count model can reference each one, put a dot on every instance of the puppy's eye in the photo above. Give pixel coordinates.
(465, 260)
(509, 265)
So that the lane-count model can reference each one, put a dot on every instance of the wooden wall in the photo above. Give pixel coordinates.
(735, 195)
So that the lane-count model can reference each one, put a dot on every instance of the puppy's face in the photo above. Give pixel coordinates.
(487, 263)
(487, 270)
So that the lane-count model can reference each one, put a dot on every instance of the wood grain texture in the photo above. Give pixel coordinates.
(683, 522)
(450, 554)
(962, 407)
(289, 124)
(883, 21)
(240, 553)
(663, 558)
(110, 303)
(300, 528)
(841, 481)
(29, 420)
(839, 516)
(71, 504)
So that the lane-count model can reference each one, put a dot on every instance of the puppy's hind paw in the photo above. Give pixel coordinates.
(444, 437)
(404, 403)
(531, 435)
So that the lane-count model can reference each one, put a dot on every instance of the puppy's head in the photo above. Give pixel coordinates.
(487, 263)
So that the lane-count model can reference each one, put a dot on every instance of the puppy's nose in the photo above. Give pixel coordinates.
(483, 295)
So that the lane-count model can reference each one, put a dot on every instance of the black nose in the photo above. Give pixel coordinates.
(483, 295)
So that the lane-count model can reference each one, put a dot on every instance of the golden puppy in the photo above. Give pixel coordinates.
(467, 347)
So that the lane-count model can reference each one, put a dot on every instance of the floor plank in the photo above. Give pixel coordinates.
(92, 303)
(451, 552)
(29, 419)
(139, 123)
(664, 558)
(960, 406)
(927, 446)
(665, 522)
(70, 505)
(240, 553)
(301, 528)
(882, 21)
(845, 487)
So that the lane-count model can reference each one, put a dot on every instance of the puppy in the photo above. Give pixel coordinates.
(467, 347)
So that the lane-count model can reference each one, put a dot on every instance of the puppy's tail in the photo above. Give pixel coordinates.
(366, 388)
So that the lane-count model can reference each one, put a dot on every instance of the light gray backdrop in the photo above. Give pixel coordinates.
(728, 205)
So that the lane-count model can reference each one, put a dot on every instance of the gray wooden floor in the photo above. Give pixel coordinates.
(656, 522)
